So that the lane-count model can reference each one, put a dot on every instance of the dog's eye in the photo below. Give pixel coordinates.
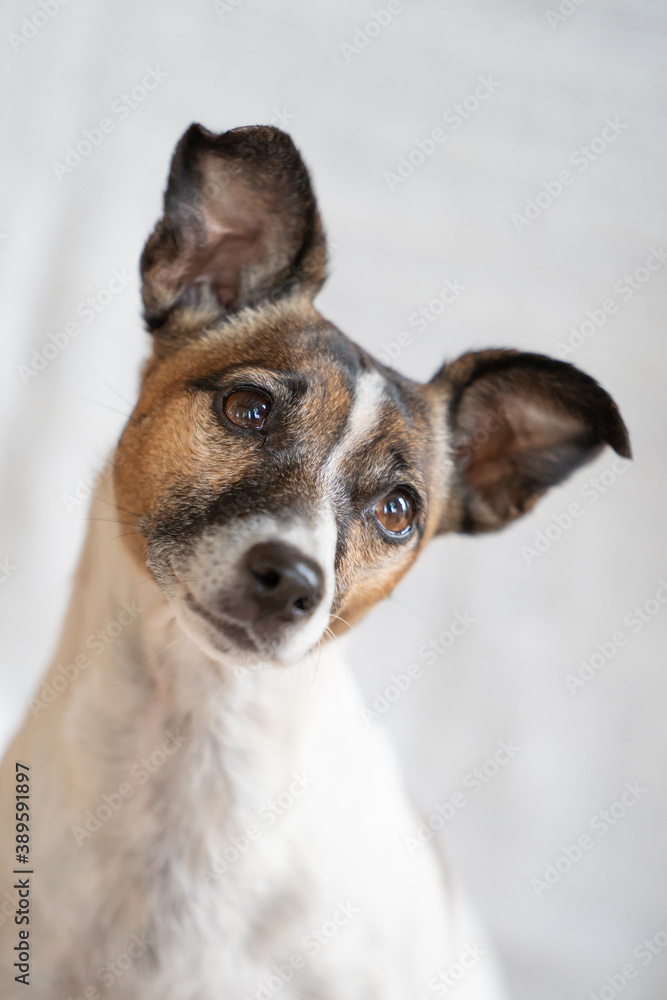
(396, 512)
(247, 408)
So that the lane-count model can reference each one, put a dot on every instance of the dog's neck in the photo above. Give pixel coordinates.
(145, 679)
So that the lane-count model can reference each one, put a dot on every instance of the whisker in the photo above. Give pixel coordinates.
(96, 402)
(402, 604)
(105, 520)
(343, 658)
(338, 618)
(317, 667)
(118, 506)
(109, 386)
(164, 648)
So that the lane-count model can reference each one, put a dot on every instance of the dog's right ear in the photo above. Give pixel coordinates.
(240, 226)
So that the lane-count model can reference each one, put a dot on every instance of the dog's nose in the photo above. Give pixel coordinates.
(281, 582)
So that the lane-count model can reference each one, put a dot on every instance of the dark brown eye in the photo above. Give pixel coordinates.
(247, 408)
(396, 512)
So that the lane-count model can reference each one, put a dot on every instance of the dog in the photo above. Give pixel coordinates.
(195, 808)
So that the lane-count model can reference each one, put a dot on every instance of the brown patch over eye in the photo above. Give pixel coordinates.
(396, 512)
(247, 408)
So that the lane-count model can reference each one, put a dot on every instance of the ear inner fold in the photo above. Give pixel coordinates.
(520, 423)
(240, 226)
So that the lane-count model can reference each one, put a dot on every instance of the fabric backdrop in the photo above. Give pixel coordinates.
(533, 218)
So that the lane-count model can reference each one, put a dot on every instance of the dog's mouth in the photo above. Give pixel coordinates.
(227, 635)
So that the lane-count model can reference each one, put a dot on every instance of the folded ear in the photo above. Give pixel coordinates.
(240, 226)
(519, 423)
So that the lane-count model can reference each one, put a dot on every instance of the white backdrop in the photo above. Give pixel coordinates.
(356, 102)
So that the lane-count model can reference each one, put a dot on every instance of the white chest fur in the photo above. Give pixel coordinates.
(213, 834)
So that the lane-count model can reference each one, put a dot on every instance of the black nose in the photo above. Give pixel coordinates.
(282, 584)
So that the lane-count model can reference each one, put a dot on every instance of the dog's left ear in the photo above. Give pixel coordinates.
(240, 226)
(519, 423)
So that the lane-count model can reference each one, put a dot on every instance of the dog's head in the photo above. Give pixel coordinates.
(282, 479)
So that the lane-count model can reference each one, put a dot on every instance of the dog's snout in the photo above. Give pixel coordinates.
(282, 583)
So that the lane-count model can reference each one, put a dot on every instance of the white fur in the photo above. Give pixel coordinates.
(362, 419)
(236, 740)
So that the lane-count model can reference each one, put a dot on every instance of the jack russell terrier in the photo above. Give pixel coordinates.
(197, 810)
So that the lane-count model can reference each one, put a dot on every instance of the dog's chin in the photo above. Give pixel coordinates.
(231, 643)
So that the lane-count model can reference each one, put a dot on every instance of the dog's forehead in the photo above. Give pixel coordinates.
(345, 398)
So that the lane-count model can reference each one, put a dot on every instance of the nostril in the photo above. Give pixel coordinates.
(304, 604)
(268, 577)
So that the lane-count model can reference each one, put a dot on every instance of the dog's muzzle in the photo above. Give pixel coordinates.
(263, 588)
(277, 589)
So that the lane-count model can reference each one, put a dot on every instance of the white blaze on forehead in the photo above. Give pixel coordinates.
(362, 419)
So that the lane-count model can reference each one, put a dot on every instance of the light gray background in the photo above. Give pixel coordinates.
(393, 252)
